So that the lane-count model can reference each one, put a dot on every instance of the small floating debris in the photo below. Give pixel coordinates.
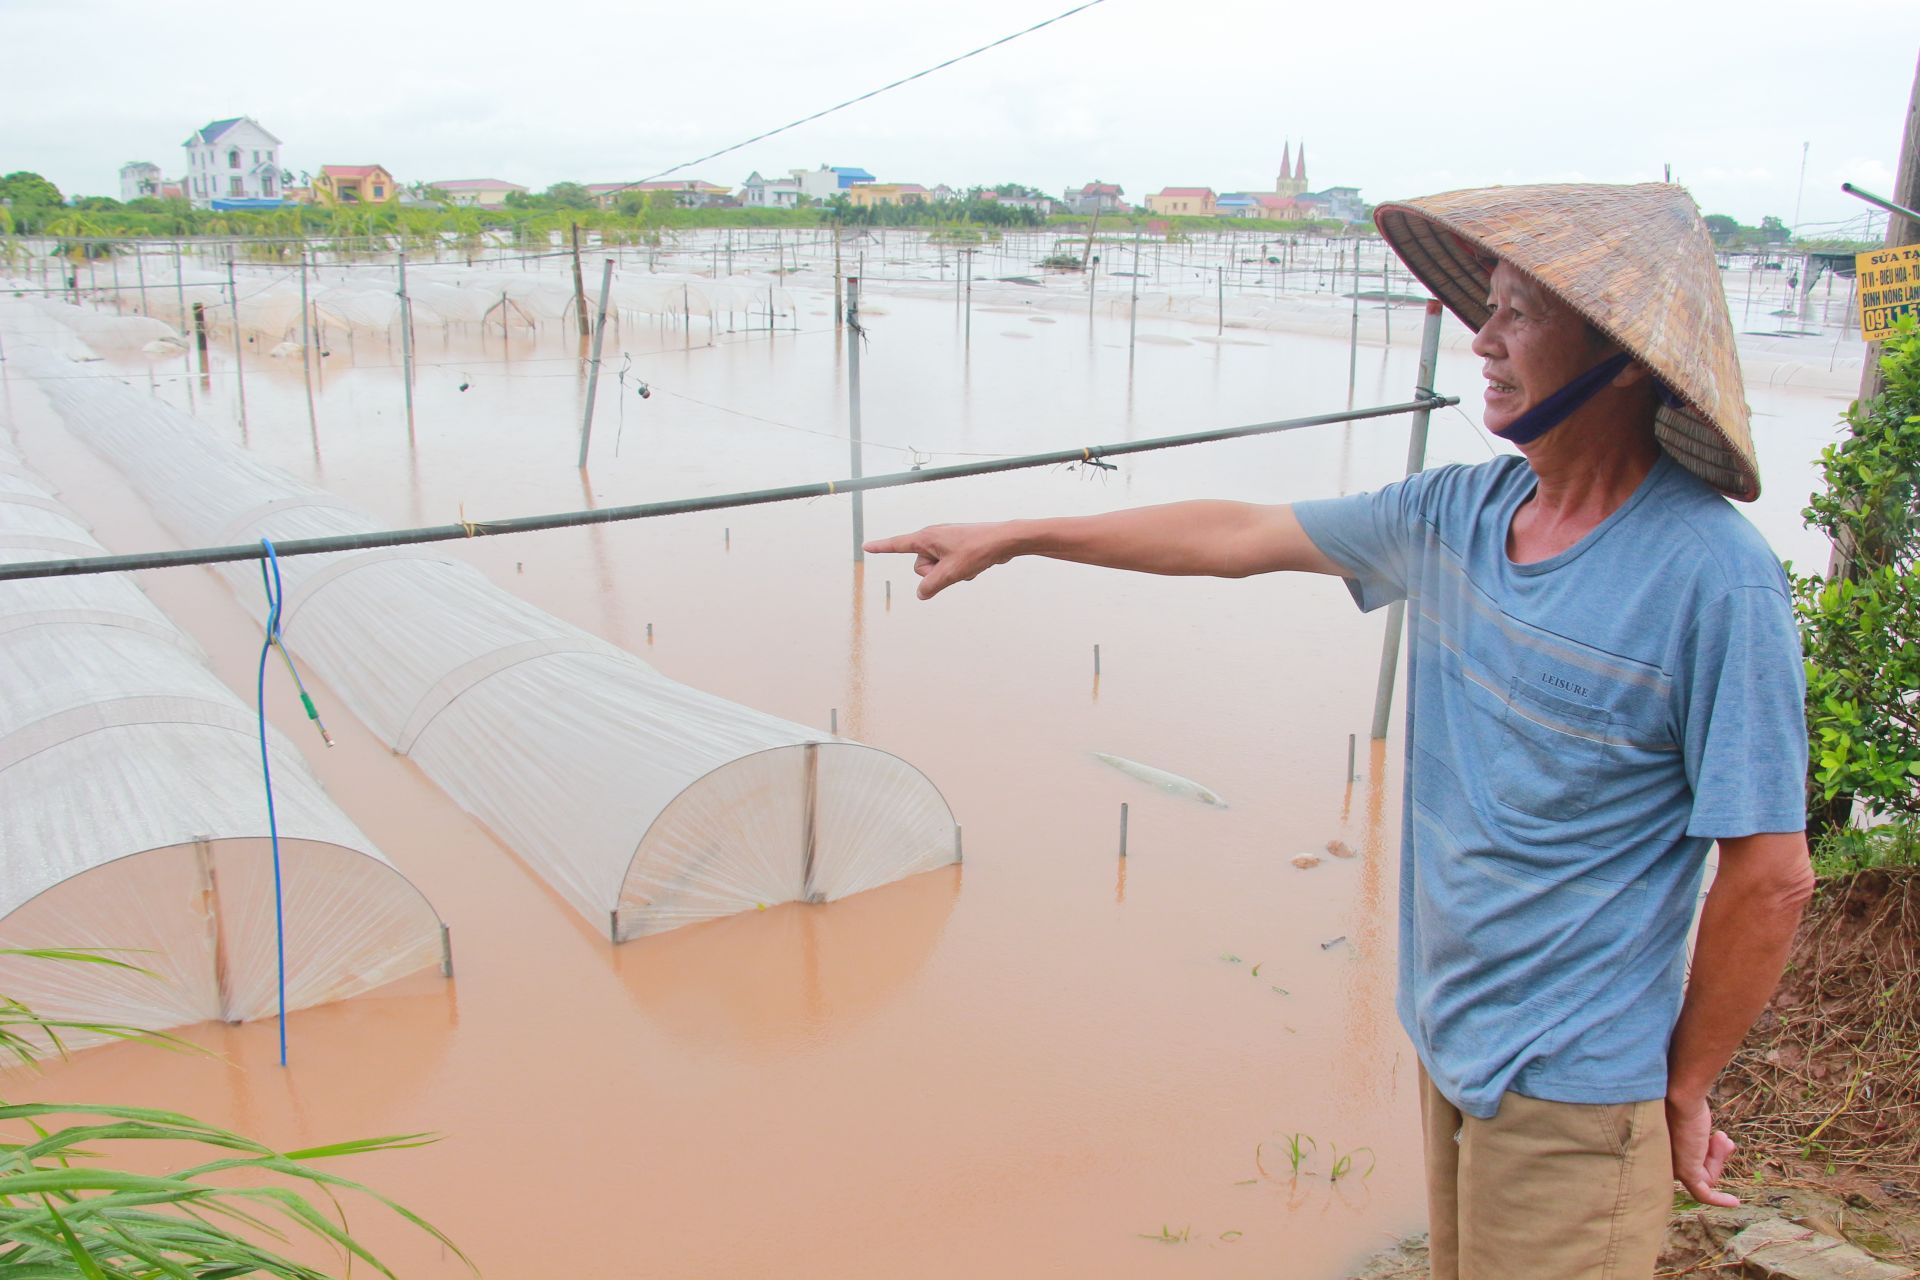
(1339, 848)
(1331, 943)
(1305, 861)
(1172, 783)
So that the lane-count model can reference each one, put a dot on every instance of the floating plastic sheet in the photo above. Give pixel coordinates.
(645, 803)
(133, 818)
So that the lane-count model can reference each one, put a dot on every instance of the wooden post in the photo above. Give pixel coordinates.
(579, 290)
(140, 273)
(200, 334)
(593, 369)
(839, 290)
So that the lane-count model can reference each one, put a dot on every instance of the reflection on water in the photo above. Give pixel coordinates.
(793, 976)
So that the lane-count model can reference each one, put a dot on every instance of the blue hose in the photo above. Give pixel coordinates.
(272, 585)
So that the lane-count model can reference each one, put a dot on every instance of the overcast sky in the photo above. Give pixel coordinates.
(1393, 97)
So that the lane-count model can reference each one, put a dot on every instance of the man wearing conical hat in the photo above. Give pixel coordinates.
(1604, 680)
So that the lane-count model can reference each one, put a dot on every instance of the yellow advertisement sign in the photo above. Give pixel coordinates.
(1889, 288)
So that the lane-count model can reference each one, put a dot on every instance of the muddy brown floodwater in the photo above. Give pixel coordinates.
(1047, 1061)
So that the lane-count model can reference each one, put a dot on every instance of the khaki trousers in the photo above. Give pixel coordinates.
(1546, 1190)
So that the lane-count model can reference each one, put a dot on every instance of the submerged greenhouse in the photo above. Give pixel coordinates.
(645, 803)
(133, 821)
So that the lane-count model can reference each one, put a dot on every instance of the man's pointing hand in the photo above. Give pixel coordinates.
(948, 553)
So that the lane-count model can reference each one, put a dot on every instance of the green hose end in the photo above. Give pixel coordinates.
(307, 702)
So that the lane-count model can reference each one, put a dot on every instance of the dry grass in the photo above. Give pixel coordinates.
(1829, 1079)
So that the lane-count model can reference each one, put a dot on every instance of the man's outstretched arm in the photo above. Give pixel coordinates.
(1204, 538)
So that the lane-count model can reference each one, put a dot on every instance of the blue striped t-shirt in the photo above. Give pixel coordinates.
(1579, 730)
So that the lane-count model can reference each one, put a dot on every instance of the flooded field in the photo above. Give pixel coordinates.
(1047, 1061)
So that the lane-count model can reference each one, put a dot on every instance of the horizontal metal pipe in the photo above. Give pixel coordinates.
(686, 506)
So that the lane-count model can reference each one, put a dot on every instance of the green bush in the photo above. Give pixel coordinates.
(1850, 849)
(1860, 629)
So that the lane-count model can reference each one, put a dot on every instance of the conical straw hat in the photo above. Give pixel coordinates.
(1635, 261)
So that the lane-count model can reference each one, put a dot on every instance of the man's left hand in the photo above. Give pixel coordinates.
(1700, 1151)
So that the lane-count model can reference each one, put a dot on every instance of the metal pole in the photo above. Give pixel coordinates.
(1220, 316)
(1416, 461)
(239, 375)
(853, 416)
(406, 342)
(593, 369)
(579, 289)
(140, 273)
(306, 354)
(180, 283)
(1123, 828)
(1353, 342)
(1133, 301)
(969, 337)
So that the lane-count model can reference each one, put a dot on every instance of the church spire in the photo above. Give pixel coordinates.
(1300, 174)
(1286, 167)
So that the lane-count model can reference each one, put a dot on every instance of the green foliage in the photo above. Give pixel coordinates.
(1730, 234)
(1861, 629)
(1846, 850)
(25, 188)
(66, 1212)
(567, 195)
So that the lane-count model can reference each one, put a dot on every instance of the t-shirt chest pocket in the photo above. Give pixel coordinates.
(1550, 752)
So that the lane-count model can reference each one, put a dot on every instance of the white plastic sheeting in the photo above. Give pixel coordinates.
(645, 803)
(133, 818)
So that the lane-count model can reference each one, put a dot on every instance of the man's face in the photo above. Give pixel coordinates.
(1533, 345)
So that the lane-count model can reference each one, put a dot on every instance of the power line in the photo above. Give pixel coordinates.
(685, 506)
(873, 93)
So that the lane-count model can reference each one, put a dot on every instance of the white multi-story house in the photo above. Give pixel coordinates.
(758, 193)
(139, 178)
(232, 160)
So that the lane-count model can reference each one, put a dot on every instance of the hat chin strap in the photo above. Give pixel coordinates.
(1560, 406)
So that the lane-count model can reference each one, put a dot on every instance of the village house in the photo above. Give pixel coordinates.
(1095, 197)
(687, 193)
(1343, 203)
(758, 193)
(232, 160)
(354, 184)
(828, 180)
(477, 193)
(1276, 208)
(1197, 201)
(1039, 204)
(1237, 204)
(140, 178)
(865, 195)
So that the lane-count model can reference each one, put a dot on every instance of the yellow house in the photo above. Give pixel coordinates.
(354, 184)
(1186, 200)
(864, 195)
